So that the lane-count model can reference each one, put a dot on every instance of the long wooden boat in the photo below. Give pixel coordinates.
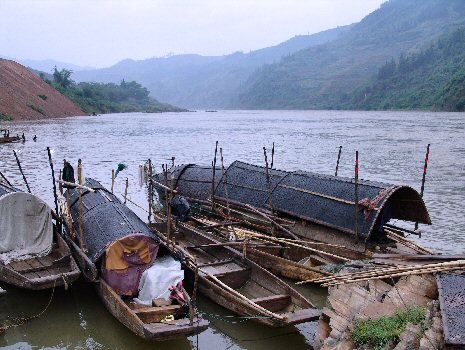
(10, 139)
(105, 221)
(235, 282)
(58, 268)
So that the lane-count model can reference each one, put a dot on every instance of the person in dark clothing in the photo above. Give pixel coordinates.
(67, 173)
(34, 138)
(23, 137)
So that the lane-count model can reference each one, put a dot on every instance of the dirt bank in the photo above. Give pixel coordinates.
(25, 96)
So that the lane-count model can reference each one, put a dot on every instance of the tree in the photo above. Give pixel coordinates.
(62, 77)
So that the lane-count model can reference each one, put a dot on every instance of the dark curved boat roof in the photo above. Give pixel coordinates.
(322, 199)
(105, 218)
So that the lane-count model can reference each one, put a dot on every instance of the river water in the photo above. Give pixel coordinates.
(392, 146)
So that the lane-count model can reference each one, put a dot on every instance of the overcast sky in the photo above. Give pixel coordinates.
(101, 32)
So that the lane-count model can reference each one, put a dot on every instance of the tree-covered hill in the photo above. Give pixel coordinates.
(327, 75)
(107, 97)
(433, 78)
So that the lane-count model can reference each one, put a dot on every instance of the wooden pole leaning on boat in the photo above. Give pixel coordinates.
(72, 184)
(126, 191)
(423, 180)
(213, 177)
(168, 232)
(338, 159)
(6, 180)
(409, 244)
(21, 171)
(112, 180)
(356, 196)
(150, 190)
(270, 192)
(225, 181)
(81, 228)
(271, 220)
(55, 194)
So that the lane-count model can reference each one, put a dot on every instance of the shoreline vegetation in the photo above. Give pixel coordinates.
(102, 98)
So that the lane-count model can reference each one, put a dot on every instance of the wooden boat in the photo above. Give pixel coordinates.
(54, 270)
(10, 139)
(106, 220)
(235, 282)
(58, 268)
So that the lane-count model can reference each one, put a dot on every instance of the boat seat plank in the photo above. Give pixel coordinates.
(274, 302)
(22, 268)
(156, 314)
(236, 278)
(227, 267)
(214, 263)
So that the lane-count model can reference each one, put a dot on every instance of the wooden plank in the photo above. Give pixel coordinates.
(156, 314)
(235, 279)
(273, 302)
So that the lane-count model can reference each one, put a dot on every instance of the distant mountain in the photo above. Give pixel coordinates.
(326, 76)
(47, 65)
(195, 81)
(430, 79)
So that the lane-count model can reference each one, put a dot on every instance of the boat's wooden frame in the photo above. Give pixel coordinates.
(235, 282)
(54, 270)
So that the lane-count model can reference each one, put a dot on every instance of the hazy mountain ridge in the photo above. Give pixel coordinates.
(325, 76)
(196, 81)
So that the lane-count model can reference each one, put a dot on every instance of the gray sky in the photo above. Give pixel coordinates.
(101, 32)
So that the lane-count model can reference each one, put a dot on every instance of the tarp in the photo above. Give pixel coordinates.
(156, 281)
(26, 228)
(126, 260)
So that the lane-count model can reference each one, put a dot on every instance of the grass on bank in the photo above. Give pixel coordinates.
(377, 333)
(5, 117)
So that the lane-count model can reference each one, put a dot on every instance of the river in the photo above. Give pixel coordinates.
(392, 146)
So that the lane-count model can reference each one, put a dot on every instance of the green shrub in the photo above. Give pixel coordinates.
(5, 117)
(37, 109)
(377, 333)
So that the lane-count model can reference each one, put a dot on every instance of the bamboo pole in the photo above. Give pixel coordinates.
(338, 159)
(412, 245)
(54, 188)
(82, 187)
(213, 176)
(126, 190)
(21, 171)
(356, 196)
(270, 192)
(169, 207)
(423, 180)
(272, 156)
(150, 191)
(225, 181)
(272, 221)
(81, 229)
(6, 180)
(112, 180)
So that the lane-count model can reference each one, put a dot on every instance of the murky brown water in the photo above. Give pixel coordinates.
(391, 145)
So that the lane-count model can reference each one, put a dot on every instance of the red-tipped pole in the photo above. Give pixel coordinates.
(338, 159)
(356, 195)
(423, 180)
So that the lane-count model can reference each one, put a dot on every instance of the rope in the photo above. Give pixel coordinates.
(22, 321)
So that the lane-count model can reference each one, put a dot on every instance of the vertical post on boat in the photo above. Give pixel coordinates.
(81, 231)
(126, 191)
(172, 161)
(60, 186)
(54, 188)
(112, 180)
(423, 180)
(338, 159)
(356, 195)
(21, 171)
(270, 193)
(213, 176)
(272, 156)
(150, 191)
(225, 181)
(165, 178)
(169, 205)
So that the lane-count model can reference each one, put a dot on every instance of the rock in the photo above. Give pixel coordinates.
(410, 339)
